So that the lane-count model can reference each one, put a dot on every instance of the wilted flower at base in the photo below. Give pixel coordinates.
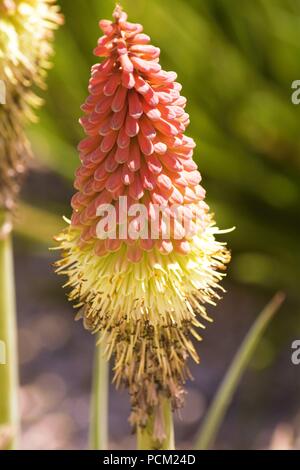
(145, 297)
(26, 34)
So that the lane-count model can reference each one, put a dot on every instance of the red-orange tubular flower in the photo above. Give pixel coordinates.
(143, 293)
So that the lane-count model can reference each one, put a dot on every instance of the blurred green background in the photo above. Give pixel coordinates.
(236, 61)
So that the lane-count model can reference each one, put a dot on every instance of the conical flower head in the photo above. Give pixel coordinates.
(26, 34)
(142, 272)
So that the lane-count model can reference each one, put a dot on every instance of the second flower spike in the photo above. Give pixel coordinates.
(26, 36)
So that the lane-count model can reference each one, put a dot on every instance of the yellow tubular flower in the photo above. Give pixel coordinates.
(146, 296)
(26, 35)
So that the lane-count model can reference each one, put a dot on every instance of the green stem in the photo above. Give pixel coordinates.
(146, 439)
(222, 400)
(99, 401)
(9, 409)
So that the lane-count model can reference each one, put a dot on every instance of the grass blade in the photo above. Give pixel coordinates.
(222, 400)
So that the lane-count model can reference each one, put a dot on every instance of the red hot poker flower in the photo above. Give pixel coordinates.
(145, 294)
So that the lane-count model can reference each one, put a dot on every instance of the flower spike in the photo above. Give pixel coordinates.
(26, 34)
(144, 295)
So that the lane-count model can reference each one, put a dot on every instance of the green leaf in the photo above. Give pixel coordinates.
(223, 398)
